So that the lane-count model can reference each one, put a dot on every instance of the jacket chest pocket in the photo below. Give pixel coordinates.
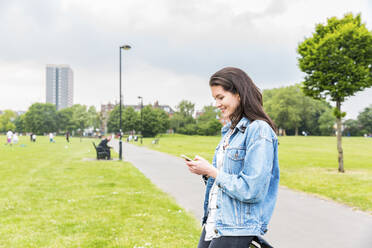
(234, 161)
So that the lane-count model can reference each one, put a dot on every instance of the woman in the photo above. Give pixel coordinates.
(243, 179)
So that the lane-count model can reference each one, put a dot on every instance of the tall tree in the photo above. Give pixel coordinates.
(183, 116)
(155, 121)
(80, 117)
(41, 118)
(19, 123)
(65, 120)
(130, 120)
(365, 119)
(337, 61)
(284, 105)
(186, 108)
(353, 128)
(93, 117)
(7, 121)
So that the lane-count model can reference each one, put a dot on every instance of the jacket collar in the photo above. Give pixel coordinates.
(241, 126)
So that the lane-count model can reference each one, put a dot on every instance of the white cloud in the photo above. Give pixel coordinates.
(177, 45)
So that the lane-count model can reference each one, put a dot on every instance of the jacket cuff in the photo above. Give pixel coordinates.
(221, 179)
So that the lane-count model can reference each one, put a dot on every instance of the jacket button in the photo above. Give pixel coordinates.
(215, 230)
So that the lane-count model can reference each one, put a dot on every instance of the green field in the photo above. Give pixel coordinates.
(307, 164)
(57, 195)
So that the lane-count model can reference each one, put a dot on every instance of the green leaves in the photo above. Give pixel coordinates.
(337, 59)
(6, 121)
(41, 118)
(291, 110)
(155, 120)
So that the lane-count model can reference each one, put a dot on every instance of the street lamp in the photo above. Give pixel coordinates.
(125, 47)
(140, 97)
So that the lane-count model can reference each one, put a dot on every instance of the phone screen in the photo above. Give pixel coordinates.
(186, 158)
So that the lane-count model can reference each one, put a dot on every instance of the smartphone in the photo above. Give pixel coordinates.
(186, 158)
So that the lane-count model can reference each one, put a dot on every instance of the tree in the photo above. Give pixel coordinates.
(326, 122)
(365, 119)
(284, 106)
(93, 117)
(79, 117)
(65, 120)
(183, 116)
(186, 108)
(337, 61)
(41, 118)
(209, 112)
(19, 123)
(291, 110)
(353, 128)
(155, 121)
(207, 122)
(6, 121)
(130, 120)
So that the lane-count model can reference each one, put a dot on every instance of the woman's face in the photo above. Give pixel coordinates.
(226, 101)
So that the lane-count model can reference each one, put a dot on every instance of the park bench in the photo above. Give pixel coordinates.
(101, 154)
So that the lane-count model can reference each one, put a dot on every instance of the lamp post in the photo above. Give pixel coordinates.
(125, 47)
(140, 97)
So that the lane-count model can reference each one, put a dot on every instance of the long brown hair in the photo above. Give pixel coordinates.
(237, 81)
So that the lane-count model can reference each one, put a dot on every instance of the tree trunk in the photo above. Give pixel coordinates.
(339, 136)
(296, 131)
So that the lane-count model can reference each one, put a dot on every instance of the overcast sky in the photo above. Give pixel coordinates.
(176, 46)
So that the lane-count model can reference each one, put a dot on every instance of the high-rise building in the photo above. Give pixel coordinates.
(59, 85)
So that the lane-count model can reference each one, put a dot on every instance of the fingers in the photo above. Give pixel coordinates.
(189, 163)
(197, 157)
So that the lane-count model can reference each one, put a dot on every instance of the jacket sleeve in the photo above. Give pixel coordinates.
(251, 184)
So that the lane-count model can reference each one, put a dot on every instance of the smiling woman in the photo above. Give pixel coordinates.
(244, 176)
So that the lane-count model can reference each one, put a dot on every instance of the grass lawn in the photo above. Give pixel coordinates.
(56, 195)
(307, 164)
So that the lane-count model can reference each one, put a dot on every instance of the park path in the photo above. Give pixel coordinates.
(299, 220)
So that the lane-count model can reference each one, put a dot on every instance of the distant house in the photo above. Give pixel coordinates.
(105, 113)
(166, 108)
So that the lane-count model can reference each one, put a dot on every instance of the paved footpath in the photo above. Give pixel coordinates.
(299, 220)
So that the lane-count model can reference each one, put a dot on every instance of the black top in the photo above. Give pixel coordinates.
(103, 144)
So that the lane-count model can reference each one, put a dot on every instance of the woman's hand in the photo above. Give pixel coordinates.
(200, 166)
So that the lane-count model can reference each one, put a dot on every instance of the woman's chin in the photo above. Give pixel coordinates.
(225, 116)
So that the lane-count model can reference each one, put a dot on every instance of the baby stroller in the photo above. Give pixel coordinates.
(101, 153)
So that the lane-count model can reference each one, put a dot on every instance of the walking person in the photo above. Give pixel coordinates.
(242, 184)
(68, 137)
(15, 139)
(51, 138)
(9, 136)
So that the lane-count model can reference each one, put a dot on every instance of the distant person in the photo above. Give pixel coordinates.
(51, 138)
(243, 178)
(104, 146)
(9, 136)
(68, 137)
(15, 139)
(33, 137)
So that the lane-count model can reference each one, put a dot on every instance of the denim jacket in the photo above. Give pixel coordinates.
(248, 180)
